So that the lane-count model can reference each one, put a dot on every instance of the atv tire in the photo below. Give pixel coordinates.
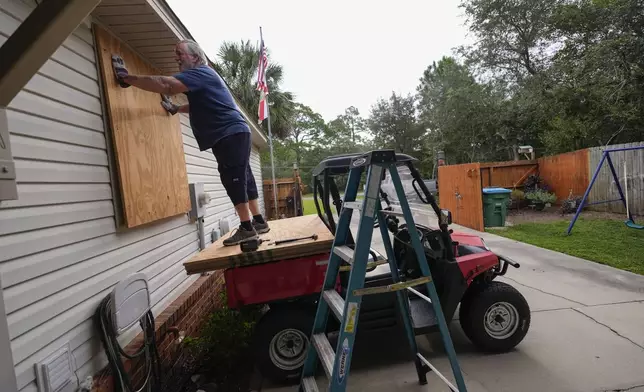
(280, 343)
(495, 317)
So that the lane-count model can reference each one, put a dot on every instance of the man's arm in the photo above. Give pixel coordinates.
(168, 85)
(173, 108)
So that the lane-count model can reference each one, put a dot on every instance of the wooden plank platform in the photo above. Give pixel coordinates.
(217, 256)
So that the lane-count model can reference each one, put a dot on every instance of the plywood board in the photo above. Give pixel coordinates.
(217, 256)
(147, 141)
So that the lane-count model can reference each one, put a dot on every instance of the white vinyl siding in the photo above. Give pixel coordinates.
(256, 167)
(60, 251)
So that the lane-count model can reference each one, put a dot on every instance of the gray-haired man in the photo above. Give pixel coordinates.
(217, 123)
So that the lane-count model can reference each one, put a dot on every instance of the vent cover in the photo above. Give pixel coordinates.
(54, 373)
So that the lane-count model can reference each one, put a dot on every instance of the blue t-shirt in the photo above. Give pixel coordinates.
(213, 112)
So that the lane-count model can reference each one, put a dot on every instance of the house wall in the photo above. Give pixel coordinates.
(60, 252)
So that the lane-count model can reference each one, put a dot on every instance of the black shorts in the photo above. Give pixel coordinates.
(233, 162)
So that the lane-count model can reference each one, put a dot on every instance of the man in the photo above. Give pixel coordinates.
(217, 123)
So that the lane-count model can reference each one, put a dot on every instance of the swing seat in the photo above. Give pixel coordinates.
(633, 225)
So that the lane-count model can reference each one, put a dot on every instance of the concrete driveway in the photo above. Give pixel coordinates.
(586, 334)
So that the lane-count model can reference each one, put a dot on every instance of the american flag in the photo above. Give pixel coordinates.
(262, 86)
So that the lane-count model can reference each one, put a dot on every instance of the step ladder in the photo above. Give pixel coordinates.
(336, 363)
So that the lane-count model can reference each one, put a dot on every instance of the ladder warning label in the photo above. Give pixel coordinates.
(342, 368)
(352, 310)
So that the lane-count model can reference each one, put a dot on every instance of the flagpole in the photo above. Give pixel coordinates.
(270, 141)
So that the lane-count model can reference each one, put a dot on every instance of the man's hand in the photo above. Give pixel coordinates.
(118, 65)
(168, 105)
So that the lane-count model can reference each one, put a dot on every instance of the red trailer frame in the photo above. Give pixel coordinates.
(280, 280)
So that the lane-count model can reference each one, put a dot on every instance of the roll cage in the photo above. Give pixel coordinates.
(325, 187)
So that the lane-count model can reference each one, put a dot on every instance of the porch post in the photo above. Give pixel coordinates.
(8, 188)
(7, 372)
(36, 39)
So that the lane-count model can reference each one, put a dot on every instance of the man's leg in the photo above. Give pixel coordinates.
(260, 225)
(253, 205)
(232, 162)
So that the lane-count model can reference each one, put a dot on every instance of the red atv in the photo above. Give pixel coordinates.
(493, 315)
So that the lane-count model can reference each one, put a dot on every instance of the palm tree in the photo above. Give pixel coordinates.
(238, 66)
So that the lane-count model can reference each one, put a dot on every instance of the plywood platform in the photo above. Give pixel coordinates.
(217, 256)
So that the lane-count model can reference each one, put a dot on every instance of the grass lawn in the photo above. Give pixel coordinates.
(309, 205)
(604, 241)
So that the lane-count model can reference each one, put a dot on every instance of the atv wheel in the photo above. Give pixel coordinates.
(495, 317)
(281, 342)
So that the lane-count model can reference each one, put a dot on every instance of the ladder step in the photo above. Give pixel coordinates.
(392, 287)
(394, 213)
(371, 264)
(421, 295)
(353, 205)
(335, 301)
(325, 352)
(344, 252)
(400, 213)
(309, 384)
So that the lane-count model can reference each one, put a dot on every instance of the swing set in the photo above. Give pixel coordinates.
(623, 196)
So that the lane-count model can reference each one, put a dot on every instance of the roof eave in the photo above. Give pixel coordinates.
(152, 29)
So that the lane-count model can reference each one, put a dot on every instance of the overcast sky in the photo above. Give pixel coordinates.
(335, 53)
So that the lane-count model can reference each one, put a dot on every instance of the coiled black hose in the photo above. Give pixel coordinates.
(114, 352)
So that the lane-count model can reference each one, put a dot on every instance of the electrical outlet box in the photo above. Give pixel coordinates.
(224, 225)
(130, 301)
(54, 373)
(199, 199)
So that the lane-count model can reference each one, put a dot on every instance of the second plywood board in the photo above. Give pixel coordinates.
(147, 141)
(217, 256)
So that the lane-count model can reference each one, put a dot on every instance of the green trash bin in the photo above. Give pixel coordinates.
(495, 206)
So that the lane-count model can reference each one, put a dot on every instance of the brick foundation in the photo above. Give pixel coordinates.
(186, 314)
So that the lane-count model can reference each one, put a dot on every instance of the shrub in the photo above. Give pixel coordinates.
(570, 204)
(541, 196)
(223, 342)
(517, 194)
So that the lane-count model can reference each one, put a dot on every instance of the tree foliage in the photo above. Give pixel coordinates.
(393, 123)
(558, 75)
(306, 128)
(238, 65)
(513, 37)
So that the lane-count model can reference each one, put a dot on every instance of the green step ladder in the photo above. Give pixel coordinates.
(336, 363)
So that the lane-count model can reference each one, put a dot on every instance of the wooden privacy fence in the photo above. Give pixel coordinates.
(564, 172)
(506, 174)
(460, 191)
(604, 187)
(289, 197)
(461, 186)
